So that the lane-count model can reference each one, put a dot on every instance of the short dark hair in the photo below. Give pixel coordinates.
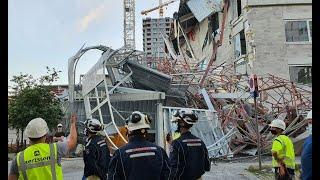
(36, 139)
(186, 125)
(138, 132)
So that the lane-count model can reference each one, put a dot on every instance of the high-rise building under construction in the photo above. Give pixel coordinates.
(153, 43)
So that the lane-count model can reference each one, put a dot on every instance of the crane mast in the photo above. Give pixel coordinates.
(129, 23)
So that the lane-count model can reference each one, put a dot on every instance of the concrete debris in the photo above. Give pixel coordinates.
(278, 98)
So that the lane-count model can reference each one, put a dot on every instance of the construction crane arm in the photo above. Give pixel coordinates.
(145, 12)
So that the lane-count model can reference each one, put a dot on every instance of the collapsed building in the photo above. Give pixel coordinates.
(252, 35)
(214, 47)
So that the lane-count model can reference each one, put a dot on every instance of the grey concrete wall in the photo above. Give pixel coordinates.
(273, 54)
(269, 37)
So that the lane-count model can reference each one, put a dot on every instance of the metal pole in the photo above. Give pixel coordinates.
(257, 131)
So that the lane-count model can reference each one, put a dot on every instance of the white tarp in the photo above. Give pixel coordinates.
(204, 8)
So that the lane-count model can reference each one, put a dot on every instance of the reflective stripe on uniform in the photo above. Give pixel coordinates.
(191, 140)
(140, 149)
(142, 154)
(194, 144)
(52, 160)
(22, 166)
(102, 141)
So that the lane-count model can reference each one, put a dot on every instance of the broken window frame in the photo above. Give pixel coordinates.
(235, 9)
(239, 5)
(238, 44)
(295, 75)
(309, 31)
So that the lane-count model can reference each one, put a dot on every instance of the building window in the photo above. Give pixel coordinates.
(301, 74)
(240, 47)
(239, 7)
(215, 23)
(310, 29)
(298, 31)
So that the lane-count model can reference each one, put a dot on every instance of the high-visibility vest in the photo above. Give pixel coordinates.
(176, 135)
(39, 162)
(286, 153)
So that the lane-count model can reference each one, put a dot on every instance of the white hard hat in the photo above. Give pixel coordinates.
(36, 128)
(278, 123)
(137, 120)
(187, 116)
(309, 116)
(59, 125)
(94, 125)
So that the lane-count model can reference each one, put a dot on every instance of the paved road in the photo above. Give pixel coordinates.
(73, 170)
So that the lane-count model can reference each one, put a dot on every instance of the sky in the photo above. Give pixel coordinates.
(47, 33)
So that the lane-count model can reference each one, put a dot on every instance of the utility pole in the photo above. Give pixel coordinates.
(254, 90)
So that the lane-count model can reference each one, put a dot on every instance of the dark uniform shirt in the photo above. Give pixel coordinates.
(96, 157)
(140, 160)
(59, 134)
(188, 157)
(306, 159)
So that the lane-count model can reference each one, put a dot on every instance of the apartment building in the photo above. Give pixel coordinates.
(153, 43)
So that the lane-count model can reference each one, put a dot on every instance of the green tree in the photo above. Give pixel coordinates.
(33, 99)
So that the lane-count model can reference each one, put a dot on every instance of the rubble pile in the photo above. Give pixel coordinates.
(230, 97)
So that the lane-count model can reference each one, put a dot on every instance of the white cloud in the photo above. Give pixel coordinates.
(93, 15)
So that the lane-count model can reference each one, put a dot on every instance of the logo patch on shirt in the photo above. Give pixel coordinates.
(36, 153)
(87, 151)
(171, 148)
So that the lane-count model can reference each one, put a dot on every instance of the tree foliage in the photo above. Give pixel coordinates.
(32, 99)
(33, 102)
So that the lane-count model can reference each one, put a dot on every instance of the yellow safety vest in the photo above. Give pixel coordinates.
(39, 162)
(284, 148)
(176, 135)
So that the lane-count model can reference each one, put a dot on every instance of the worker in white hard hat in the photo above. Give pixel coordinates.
(139, 159)
(59, 134)
(306, 155)
(283, 157)
(40, 160)
(96, 154)
(175, 129)
(188, 154)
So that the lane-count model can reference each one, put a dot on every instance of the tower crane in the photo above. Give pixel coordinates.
(129, 23)
(160, 7)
